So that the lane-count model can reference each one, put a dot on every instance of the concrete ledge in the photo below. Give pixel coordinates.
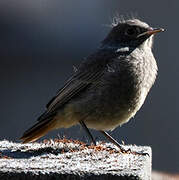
(74, 160)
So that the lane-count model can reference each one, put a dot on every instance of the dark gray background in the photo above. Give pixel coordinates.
(40, 40)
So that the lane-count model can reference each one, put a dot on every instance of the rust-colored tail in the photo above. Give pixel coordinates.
(38, 130)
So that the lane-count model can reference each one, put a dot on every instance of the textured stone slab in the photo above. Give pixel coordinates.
(67, 159)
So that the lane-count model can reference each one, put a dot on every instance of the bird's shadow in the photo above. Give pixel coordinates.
(20, 154)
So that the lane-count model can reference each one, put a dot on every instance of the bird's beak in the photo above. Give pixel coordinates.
(154, 31)
(151, 31)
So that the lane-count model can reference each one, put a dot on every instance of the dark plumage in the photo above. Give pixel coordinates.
(108, 88)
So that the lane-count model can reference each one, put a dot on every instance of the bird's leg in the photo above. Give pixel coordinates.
(119, 146)
(113, 141)
(88, 132)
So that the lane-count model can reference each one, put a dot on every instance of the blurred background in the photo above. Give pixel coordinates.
(40, 41)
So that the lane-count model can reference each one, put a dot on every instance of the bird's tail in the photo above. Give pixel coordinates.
(38, 130)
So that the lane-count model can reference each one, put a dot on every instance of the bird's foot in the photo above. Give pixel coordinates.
(129, 151)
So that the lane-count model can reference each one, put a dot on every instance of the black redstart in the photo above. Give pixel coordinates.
(108, 88)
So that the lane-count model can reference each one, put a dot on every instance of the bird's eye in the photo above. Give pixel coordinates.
(132, 31)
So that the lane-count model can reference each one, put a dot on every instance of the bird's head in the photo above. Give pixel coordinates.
(131, 33)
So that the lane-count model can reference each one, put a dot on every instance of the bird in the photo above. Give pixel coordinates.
(108, 87)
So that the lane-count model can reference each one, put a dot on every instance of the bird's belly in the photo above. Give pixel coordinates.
(101, 114)
(108, 122)
(108, 116)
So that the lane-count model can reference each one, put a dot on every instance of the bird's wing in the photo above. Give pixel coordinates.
(87, 74)
(73, 86)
